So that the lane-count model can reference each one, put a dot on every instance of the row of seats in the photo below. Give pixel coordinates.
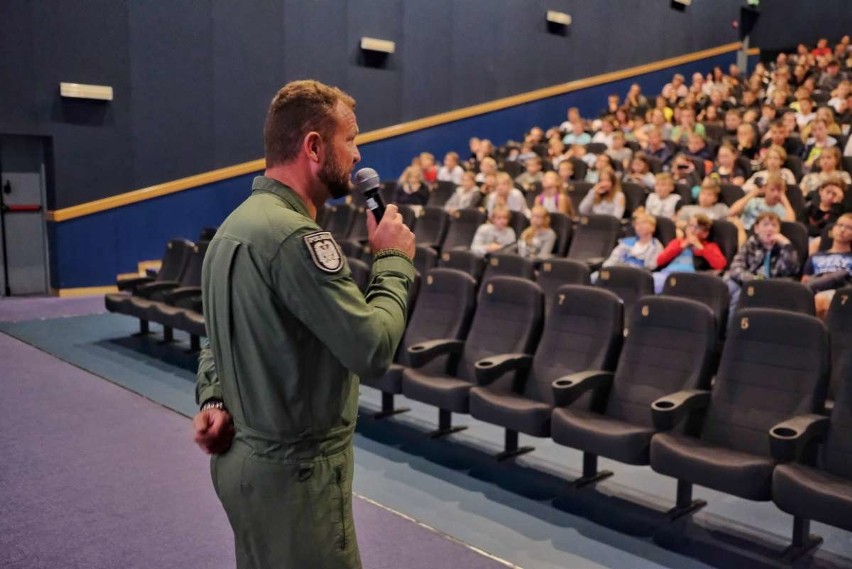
(647, 397)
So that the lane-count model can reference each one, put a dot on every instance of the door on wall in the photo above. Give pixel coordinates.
(23, 241)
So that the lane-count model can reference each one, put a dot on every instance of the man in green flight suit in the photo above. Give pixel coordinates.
(288, 328)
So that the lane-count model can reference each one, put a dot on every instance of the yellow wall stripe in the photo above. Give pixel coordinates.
(385, 133)
(84, 291)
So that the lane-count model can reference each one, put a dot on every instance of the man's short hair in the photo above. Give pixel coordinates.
(298, 108)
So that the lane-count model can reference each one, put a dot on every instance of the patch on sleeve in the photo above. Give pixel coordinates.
(325, 252)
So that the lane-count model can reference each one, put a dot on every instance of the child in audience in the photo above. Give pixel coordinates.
(747, 144)
(552, 197)
(696, 146)
(602, 162)
(818, 141)
(451, 171)
(772, 196)
(428, 167)
(663, 201)
(708, 204)
(726, 169)
(565, 170)
(640, 250)
(604, 135)
(466, 195)
(767, 254)
(506, 194)
(533, 174)
(683, 172)
(487, 166)
(640, 172)
(605, 197)
(773, 164)
(829, 163)
(618, 152)
(413, 191)
(495, 235)
(690, 253)
(537, 240)
(577, 135)
(825, 209)
(826, 271)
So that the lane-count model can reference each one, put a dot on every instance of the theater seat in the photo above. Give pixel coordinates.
(462, 228)
(174, 262)
(706, 288)
(444, 308)
(431, 227)
(553, 273)
(774, 367)
(817, 482)
(582, 331)
(167, 305)
(594, 238)
(777, 293)
(628, 283)
(507, 321)
(669, 347)
(508, 264)
(838, 320)
(465, 261)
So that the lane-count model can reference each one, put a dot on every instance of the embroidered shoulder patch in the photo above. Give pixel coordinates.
(325, 252)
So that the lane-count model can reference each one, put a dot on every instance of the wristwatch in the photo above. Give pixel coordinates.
(214, 404)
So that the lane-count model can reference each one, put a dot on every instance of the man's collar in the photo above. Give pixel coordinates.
(273, 186)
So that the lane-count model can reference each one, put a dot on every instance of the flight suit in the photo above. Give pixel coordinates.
(289, 330)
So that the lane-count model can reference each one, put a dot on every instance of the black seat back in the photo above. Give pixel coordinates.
(774, 366)
(634, 196)
(431, 227)
(508, 264)
(508, 320)
(338, 220)
(175, 259)
(358, 229)
(730, 194)
(562, 225)
(797, 233)
(838, 320)
(665, 230)
(594, 237)
(445, 304)
(465, 261)
(836, 454)
(425, 259)
(554, 273)
(669, 347)
(441, 193)
(627, 283)
(518, 222)
(192, 273)
(582, 331)
(726, 235)
(777, 293)
(462, 228)
(705, 288)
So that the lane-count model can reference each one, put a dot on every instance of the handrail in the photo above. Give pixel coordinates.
(212, 176)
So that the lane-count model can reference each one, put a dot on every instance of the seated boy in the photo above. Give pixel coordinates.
(826, 271)
(691, 253)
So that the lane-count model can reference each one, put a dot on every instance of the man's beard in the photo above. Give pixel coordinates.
(335, 177)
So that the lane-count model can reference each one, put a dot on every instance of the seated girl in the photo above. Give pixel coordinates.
(552, 197)
(466, 195)
(538, 239)
(495, 235)
(605, 197)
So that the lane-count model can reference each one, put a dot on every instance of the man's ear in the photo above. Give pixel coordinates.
(312, 145)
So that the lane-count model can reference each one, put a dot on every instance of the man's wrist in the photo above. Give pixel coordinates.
(213, 403)
(391, 252)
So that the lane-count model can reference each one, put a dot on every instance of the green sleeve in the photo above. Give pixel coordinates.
(207, 380)
(361, 330)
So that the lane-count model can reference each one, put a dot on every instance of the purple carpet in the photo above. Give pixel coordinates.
(93, 476)
(17, 309)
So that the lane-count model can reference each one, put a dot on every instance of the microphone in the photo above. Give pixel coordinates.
(367, 182)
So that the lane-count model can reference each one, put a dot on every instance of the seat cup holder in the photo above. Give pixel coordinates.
(416, 348)
(563, 383)
(485, 364)
(785, 433)
(664, 405)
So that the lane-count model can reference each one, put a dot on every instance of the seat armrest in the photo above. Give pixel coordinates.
(155, 290)
(131, 283)
(489, 369)
(789, 439)
(424, 352)
(668, 411)
(569, 388)
(595, 263)
(174, 296)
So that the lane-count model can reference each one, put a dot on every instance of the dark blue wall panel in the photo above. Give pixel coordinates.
(91, 250)
(785, 23)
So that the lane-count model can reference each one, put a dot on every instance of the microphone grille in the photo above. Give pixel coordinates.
(366, 179)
